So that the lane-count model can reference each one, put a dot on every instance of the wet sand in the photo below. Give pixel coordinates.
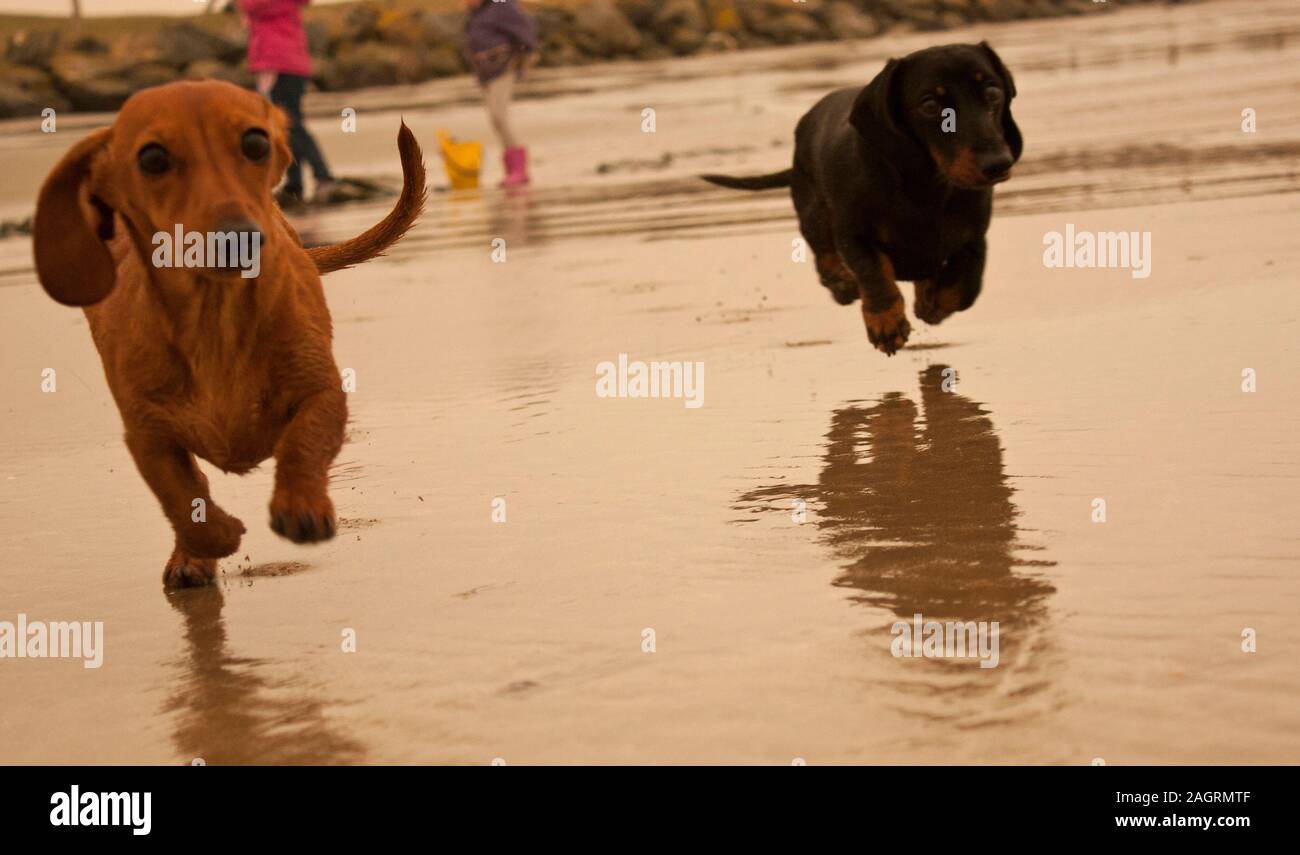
(522, 640)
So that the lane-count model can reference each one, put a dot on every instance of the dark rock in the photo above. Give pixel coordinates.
(26, 91)
(366, 64)
(417, 28)
(720, 42)
(217, 70)
(444, 61)
(1003, 10)
(680, 25)
(16, 227)
(318, 37)
(783, 22)
(558, 50)
(652, 50)
(362, 21)
(325, 75)
(99, 94)
(640, 12)
(148, 74)
(32, 47)
(16, 101)
(92, 81)
(600, 29)
(216, 38)
(377, 64)
(346, 190)
(90, 44)
(553, 21)
(847, 21)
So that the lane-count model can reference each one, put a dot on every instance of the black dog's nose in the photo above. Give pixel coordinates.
(995, 165)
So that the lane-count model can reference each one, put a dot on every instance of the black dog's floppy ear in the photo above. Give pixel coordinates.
(996, 62)
(1009, 129)
(874, 107)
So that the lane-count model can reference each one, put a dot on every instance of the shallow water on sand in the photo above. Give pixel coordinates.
(771, 537)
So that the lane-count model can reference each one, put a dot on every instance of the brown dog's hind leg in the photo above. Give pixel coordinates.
(301, 509)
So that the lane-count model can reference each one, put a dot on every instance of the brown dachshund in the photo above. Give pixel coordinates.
(208, 356)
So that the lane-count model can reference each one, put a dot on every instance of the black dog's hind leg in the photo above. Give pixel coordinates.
(815, 225)
(956, 287)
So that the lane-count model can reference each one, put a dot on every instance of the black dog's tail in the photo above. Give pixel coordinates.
(752, 182)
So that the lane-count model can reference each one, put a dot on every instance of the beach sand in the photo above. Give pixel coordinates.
(525, 640)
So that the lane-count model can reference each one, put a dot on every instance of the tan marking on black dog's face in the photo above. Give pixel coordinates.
(956, 104)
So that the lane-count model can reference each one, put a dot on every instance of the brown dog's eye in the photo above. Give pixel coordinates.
(929, 108)
(993, 95)
(255, 144)
(154, 159)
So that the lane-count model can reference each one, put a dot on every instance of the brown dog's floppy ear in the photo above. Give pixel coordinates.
(1010, 131)
(70, 228)
(874, 107)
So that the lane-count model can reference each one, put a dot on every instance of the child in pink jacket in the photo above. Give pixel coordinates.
(277, 54)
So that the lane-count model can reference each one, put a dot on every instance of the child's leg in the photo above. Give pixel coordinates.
(497, 94)
(287, 94)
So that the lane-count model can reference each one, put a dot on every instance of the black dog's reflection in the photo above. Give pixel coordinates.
(918, 506)
(227, 713)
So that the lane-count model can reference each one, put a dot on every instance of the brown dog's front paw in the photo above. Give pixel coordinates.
(187, 571)
(888, 330)
(933, 304)
(302, 518)
(215, 537)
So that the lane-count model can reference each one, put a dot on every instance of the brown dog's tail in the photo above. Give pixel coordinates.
(388, 231)
(752, 182)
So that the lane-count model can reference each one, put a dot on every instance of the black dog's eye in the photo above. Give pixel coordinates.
(154, 159)
(929, 108)
(993, 95)
(255, 144)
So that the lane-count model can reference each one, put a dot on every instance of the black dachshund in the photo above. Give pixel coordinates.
(894, 181)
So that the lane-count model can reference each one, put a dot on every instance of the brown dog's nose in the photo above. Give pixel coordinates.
(995, 165)
(239, 245)
(242, 226)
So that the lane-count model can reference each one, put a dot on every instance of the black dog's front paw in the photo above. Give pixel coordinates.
(888, 330)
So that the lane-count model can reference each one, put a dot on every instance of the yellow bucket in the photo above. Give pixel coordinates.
(461, 160)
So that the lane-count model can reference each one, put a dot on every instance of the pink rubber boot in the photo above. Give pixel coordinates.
(516, 162)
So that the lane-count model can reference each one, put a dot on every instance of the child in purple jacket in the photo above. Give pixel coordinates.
(499, 39)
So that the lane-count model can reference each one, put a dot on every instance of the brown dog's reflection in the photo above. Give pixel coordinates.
(917, 505)
(227, 713)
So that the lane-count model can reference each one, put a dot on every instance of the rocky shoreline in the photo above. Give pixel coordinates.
(364, 44)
